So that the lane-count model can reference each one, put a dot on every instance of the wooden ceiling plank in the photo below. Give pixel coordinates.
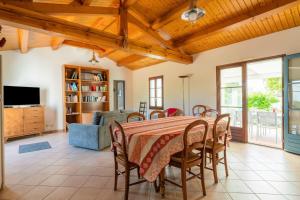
(23, 36)
(63, 9)
(86, 2)
(275, 7)
(56, 42)
(170, 15)
(130, 3)
(129, 59)
(27, 19)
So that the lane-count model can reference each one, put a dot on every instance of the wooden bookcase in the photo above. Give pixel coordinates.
(85, 90)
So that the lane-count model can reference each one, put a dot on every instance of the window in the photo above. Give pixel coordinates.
(156, 94)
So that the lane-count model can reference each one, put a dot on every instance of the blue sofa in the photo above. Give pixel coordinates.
(95, 136)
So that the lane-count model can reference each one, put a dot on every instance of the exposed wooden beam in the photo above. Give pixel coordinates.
(56, 42)
(23, 36)
(63, 9)
(170, 15)
(275, 7)
(129, 59)
(27, 19)
(83, 45)
(123, 31)
(130, 3)
(149, 31)
(86, 2)
(107, 52)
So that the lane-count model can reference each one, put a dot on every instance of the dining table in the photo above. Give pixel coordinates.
(151, 143)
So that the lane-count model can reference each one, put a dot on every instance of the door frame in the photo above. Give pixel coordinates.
(1, 129)
(243, 64)
(115, 94)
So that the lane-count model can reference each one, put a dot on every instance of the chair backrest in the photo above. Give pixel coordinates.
(217, 133)
(157, 114)
(143, 108)
(198, 110)
(211, 113)
(118, 139)
(188, 130)
(135, 116)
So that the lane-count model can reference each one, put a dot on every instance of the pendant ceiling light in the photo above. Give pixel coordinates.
(94, 59)
(193, 13)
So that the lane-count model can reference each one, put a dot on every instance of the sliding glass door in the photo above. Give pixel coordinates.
(231, 94)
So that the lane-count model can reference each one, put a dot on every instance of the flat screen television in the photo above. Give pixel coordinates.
(17, 96)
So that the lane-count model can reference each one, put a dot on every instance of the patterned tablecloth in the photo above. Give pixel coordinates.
(152, 142)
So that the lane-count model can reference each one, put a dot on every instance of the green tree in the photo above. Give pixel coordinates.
(274, 84)
(261, 101)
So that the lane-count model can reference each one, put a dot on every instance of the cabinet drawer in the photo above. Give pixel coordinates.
(33, 127)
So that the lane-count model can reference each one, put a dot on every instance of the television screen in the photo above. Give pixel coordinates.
(15, 95)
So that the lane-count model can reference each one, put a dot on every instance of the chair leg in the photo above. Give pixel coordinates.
(214, 166)
(127, 175)
(116, 176)
(225, 163)
(202, 179)
(138, 172)
(183, 180)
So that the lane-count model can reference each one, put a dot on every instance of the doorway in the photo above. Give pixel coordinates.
(264, 97)
(251, 92)
(119, 95)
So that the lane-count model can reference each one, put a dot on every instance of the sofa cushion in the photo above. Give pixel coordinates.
(97, 116)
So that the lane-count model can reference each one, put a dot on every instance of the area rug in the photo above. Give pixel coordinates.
(34, 147)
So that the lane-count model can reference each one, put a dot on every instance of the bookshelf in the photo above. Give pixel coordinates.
(86, 90)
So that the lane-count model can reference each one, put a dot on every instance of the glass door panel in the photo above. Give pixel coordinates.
(231, 94)
(292, 103)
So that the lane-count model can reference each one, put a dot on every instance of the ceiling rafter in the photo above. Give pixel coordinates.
(49, 8)
(129, 59)
(275, 7)
(23, 36)
(83, 45)
(56, 42)
(25, 18)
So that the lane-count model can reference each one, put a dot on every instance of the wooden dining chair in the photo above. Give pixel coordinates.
(198, 110)
(187, 159)
(119, 148)
(157, 114)
(217, 145)
(210, 113)
(135, 116)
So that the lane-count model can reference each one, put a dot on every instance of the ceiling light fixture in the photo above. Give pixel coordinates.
(193, 13)
(94, 59)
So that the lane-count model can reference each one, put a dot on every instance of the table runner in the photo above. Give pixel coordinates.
(151, 143)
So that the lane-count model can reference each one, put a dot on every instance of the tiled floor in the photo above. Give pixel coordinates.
(65, 172)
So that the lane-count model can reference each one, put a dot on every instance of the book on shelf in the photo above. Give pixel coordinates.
(71, 87)
(88, 76)
(94, 88)
(93, 99)
(71, 98)
(74, 75)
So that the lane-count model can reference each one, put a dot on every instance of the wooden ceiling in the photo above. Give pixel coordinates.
(140, 33)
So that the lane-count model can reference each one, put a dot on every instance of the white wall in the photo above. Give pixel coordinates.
(203, 81)
(42, 67)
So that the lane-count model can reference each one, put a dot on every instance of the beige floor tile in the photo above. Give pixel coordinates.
(292, 197)
(34, 179)
(261, 187)
(271, 197)
(248, 175)
(96, 182)
(239, 196)
(55, 180)
(14, 192)
(38, 192)
(61, 193)
(75, 181)
(86, 194)
(235, 186)
(288, 188)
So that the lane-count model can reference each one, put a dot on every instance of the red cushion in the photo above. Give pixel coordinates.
(171, 111)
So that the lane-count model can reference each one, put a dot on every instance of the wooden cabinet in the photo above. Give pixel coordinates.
(23, 121)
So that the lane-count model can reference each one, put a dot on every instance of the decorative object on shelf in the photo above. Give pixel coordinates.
(188, 76)
(93, 59)
(193, 13)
